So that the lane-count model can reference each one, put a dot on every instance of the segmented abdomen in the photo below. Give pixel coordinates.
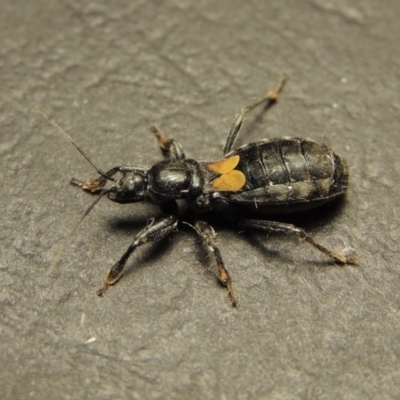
(289, 170)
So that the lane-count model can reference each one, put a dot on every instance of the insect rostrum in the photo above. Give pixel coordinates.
(280, 175)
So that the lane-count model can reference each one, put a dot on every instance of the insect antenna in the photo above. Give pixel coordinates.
(65, 134)
(64, 244)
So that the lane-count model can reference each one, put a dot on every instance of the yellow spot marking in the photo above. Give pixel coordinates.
(224, 166)
(229, 182)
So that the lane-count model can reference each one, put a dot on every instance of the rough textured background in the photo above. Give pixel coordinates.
(106, 72)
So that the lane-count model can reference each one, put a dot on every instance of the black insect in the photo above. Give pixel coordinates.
(272, 176)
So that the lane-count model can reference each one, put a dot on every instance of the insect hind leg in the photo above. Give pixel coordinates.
(272, 226)
(269, 99)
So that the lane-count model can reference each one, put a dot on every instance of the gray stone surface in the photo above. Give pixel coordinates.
(306, 329)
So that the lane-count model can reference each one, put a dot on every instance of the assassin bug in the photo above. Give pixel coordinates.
(271, 176)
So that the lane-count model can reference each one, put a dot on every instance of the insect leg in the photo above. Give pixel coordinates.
(153, 232)
(169, 147)
(207, 233)
(269, 99)
(94, 185)
(273, 226)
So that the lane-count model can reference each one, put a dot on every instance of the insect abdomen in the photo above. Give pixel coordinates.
(289, 170)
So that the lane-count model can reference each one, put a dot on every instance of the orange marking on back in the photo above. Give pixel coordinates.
(225, 165)
(229, 182)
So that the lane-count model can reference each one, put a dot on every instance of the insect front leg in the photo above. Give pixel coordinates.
(208, 235)
(155, 231)
(269, 99)
(169, 147)
(272, 226)
(95, 185)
